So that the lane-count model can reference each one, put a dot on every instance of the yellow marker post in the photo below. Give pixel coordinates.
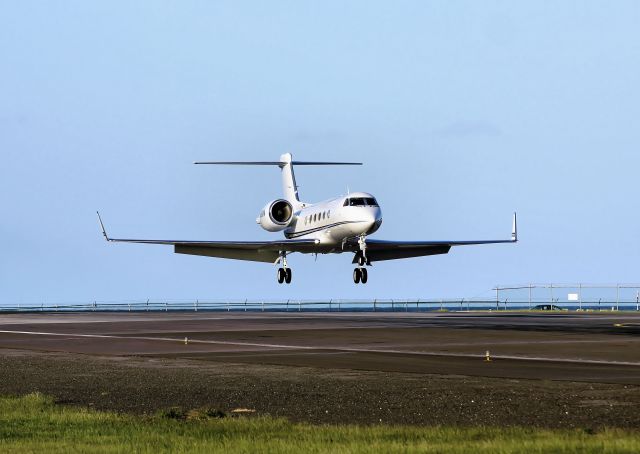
(487, 356)
(186, 341)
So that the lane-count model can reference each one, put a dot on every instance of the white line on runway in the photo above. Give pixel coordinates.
(166, 339)
(331, 348)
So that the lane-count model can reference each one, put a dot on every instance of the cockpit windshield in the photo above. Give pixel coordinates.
(361, 202)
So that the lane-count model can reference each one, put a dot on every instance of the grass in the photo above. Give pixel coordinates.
(34, 424)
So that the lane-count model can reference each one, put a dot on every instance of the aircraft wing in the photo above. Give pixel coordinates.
(256, 251)
(378, 250)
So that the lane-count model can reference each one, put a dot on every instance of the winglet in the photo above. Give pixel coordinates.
(514, 229)
(104, 232)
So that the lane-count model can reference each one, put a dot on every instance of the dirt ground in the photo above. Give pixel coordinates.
(145, 385)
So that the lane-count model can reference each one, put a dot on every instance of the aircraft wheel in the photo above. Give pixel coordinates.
(363, 275)
(287, 275)
(281, 275)
(357, 275)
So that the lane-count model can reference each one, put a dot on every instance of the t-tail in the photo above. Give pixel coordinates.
(289, 186)
(286, 163)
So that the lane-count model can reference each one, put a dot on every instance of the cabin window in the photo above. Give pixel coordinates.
(329, 213)
(314, 218)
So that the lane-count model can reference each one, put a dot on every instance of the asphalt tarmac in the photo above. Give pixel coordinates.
(545, 350)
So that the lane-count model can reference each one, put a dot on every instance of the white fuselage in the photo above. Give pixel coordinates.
(332, 221)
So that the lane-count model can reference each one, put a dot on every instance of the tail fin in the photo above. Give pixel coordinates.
(289, 186)
(286, 164)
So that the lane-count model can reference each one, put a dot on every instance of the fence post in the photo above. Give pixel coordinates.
(580, 296)
(529, 296)
(374, 304)
(196, 308)
(166, 306)
(299, 306)
(262, 306)
(147, 304)
(392, 306)
(617, 297)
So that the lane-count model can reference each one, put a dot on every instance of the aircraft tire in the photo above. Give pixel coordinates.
(281, 275)
(287, 275)
(363, 275)
(357, 275)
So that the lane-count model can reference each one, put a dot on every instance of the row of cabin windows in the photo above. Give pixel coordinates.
(317, 217)
(360, 202)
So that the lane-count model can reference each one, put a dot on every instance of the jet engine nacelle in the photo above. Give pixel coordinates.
(276, 215)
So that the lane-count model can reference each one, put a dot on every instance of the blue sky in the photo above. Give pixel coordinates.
(462, 111)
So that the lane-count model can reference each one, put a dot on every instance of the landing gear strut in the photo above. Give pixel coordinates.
(284, 273)
(362, 260)
(360, 274)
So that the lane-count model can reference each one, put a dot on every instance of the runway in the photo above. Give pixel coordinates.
(588, 347)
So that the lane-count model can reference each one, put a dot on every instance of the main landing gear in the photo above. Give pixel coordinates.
(360, 275)
(284, 273)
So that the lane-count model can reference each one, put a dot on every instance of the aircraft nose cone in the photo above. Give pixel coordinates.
(374, 220)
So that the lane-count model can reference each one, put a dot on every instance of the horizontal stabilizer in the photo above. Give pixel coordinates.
(279, 163)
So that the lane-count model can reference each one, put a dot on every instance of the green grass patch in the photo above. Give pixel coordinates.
(34, 424)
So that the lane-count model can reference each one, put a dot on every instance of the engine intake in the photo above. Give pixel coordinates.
(281, 212)
(276, 215)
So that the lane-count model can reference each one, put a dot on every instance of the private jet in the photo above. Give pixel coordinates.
(335, 226)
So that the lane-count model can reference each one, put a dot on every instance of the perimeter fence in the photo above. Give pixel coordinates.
(291, 305)
(570, 296)
(563, 297)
